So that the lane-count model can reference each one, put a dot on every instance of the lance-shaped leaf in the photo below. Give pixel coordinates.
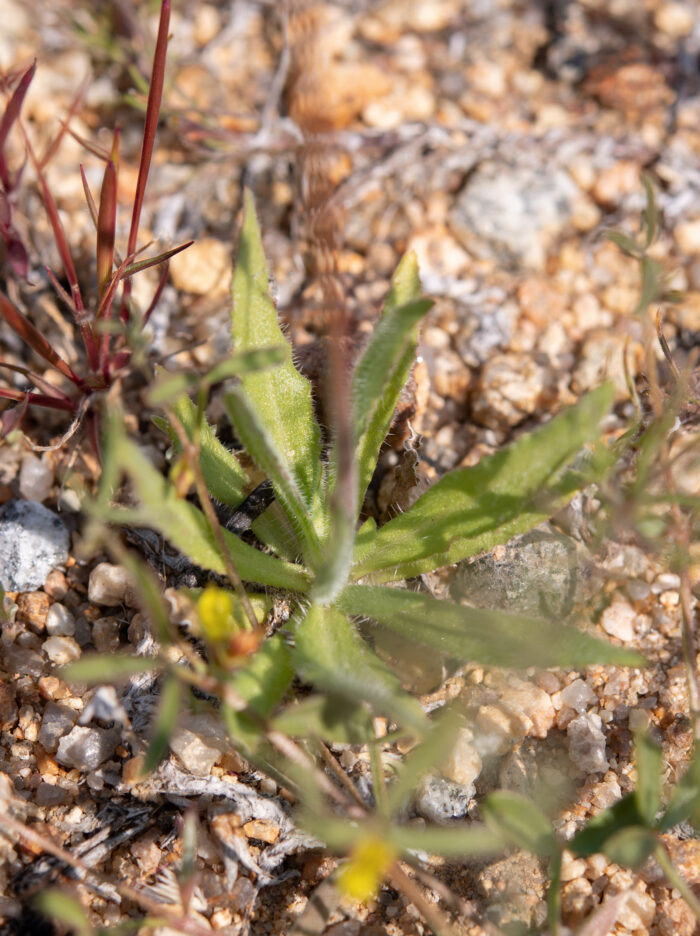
(225, 477)
(473, 509)
(493, 638)
(10, 115)
(107, 667)
(280, 396)
(520, 822)
(107, 223)
(262, 445)
(184, 525)
(58, 906)
(331, 655)
(631, 847)
(593, 836)
(460, 841)
(329, 717)
(648, 789)
(384, 368)
(20, 324)
(169, 707)
(424, 758)
(685, 800)
(262, 683)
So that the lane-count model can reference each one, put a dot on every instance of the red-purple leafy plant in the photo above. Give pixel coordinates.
(107, 353)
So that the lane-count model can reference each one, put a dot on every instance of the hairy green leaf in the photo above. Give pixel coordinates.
(164, 723)
(520, 822)
(107, 667)
(329, 717)
(225, 478)
(459, 841)
(384, 368)
(332, 656)
(280, 396)
(59, 906)
(600, 828)
(648, 789)
(261, 683)
(631, 847)
(473, 509)
(260, 443)
(169, 386)
(494, 638)
(424, 758)
(685, 799)
(184, 525)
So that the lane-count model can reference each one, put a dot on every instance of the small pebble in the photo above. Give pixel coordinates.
(587, 743)
(61, 650)
(110, 585)
(618, 621)
(87, 748)
(199, 742)
(35, 478)
(578, 695)
(56, 585)
(264, 829)
(59, 621)
(50, 794)
(674, 19)
(439, 800)
(463, 765)
(32, 610)
(105, 634)
(57, 721)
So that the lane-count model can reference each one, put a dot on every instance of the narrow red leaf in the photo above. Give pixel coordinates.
(57, 228)
(12, 418)
(91, 147)
(61, 291)
(38, 399)
(154, 261)
(73, 110)
(106, 228)
(14, 105)
(155, 96)
(88, 197)
(20, 324)
(158, 293)
(119, 360)
(43, 385)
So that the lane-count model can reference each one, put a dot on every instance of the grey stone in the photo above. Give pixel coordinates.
(49, 794)
(512, 214)
(587, 743)
(33, 541)
(541, 573)
(105, 634)
(87, 748)
(110, 585)
(440, 800)
(61, 650)
(199, 743)
(59, 621)
(57, 722)
(35, 478)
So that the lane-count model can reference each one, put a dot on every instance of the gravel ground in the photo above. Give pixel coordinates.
(498, 139)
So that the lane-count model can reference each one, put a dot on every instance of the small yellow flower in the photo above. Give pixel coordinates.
(221, 614)
(216, 614)
(369, 862)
